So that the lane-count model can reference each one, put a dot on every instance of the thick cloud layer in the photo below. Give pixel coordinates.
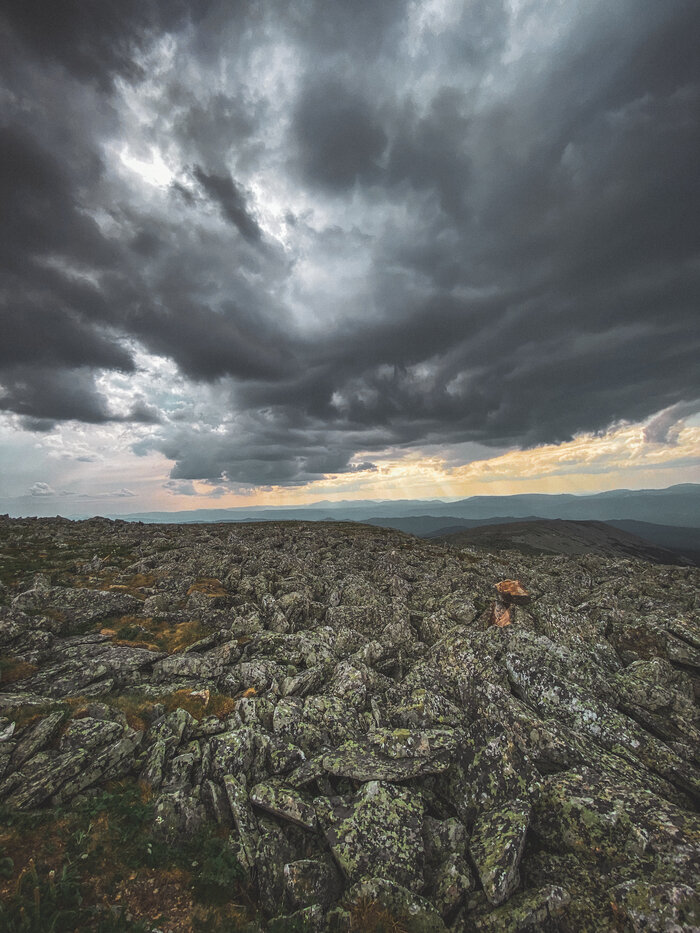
(350, 226)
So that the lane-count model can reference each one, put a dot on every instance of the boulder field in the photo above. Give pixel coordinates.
(352, 728)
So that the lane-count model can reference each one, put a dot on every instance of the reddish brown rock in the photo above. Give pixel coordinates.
(500, 615)
(512, 592)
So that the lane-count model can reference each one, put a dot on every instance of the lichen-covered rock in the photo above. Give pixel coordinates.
(152, 773)
(362, 762)
(271, 854)
(49, 774)
(451, 881)
(648, 907)
(178, 814)
(76, 606)
(496, 846)
(312, 881)
(306, 920)
(603, 821)
(378, 830)
(526, 912)
(491, 769)
(244, 819)
(284, 802)
(36, 738)
(106, 764)
(89, 733)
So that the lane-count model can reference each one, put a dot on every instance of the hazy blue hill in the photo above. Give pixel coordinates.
(559, 536)
(677, 505)
(684, 541)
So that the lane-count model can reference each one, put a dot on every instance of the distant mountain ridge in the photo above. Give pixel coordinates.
(676, 505)
(560, 536)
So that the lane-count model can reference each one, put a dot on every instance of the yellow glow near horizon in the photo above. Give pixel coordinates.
(588, 463)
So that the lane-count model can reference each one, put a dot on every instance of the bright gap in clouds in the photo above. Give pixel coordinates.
(153, 171)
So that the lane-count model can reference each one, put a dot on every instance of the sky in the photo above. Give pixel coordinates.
(275, 252)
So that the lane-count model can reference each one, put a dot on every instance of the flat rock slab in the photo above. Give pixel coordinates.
(361, 762)
(285, 803)
(429, 744)
(376, 832)
(496, 847)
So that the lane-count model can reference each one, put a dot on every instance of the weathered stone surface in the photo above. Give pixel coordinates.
(244, 819)
(496, 847)
(285, 803)
(378, 830)
(89, 733)
(352, 719)
(361, 762)
(648, 906)
(49, 774)
(37, 738)
(312, 881)
(452, 880)
(178, 814)
(604, 821)
(526, 912)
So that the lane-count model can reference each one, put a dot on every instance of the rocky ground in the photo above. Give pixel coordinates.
(308, 726)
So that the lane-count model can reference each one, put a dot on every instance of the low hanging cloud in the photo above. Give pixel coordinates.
(366, 226)
(41, 489)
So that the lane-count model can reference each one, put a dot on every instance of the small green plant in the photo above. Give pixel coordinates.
(216, 869)
(43, 904)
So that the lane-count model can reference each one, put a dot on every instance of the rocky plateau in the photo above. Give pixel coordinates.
(317, 726)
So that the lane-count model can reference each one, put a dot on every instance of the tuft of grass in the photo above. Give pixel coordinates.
(218, 705)
(209, 586)
(217, 871)
(43, 903)
(370, 917)
(27, 714)
(13, 670)
(134, 706)
(153, 633)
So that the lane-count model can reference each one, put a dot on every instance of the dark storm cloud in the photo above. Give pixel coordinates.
(340, 139)
(95, 40)
(224, 191)
(504, 218)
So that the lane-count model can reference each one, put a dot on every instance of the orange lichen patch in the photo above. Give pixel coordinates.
(512, 591)
(13, 669)
(209, 586)
(250, 692)
(500, 615)
(196, 705)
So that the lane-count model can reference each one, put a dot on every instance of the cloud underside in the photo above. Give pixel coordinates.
(350, 227)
